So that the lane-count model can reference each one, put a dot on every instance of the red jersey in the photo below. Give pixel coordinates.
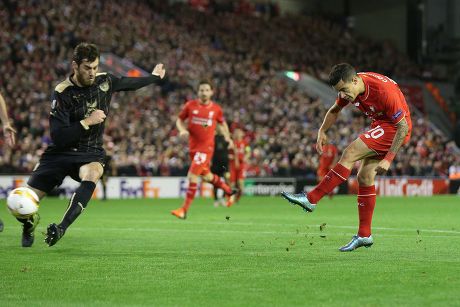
(382, 100)
(239, 151)
(202, 123)
(328, 156)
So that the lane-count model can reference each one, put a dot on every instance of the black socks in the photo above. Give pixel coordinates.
(78, 202)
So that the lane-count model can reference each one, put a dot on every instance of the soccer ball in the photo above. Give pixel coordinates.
(22, 202)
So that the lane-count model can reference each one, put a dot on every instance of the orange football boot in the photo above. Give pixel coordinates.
(180, 213)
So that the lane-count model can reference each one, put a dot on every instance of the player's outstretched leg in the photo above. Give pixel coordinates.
(77, 204)
(333, 178)
(357, 242)
(300, 200)
(28, 229)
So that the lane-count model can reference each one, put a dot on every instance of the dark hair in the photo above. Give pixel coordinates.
(342, 71)
(85, 51)
(205, 82)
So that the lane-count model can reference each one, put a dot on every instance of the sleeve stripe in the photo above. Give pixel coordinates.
(402, 117)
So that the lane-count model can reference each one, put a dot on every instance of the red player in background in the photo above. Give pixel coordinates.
(380, 99)
(238, 156)
(326, 161)
(204, 116)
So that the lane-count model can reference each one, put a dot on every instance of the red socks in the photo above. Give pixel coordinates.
(366, 196)
(218, 183)
(366, 204)
(333, 178)
(192, 187)
(190, 195)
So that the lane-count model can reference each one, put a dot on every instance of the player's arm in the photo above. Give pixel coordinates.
(330, 118)
(182, 128)
(132, 84)
(8, 130)
(401, 133)
(64, 132)
(222, 128)
(398, 140)
(247, 153)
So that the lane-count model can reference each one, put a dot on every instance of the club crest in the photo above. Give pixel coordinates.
(104, 86)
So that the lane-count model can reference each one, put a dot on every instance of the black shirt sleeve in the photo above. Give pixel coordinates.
(132, 84)
(64, 133)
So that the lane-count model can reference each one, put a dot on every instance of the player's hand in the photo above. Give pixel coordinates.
(382, 167)
(230, 143)
(321, 141)
(10, 134)
(159, 71)
(184, 134)
(96, 117)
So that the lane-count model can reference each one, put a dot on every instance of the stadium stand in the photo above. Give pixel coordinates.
(217, 42)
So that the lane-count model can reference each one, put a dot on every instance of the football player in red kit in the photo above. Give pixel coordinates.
(238, 157)
(379, 98)
(204, 116)
(326, 161)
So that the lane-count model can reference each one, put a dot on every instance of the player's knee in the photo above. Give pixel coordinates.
(91, 173)
(366, 178)
(348, 157)
(194, 178)
(93, 176)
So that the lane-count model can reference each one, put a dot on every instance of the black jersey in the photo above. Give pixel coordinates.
(71, 104)
(220, 149)
(220, 157)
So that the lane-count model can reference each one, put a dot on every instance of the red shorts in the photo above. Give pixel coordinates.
(201, 162)
(380, 137)
(236, 173)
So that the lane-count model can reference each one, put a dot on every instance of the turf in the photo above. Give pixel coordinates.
(261, 252)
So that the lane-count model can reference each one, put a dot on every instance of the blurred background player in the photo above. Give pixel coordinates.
(219, 166)
(8, 132)
(204, 116)
(327, 160)
(239, 156)
(77, 120)
(379, 98)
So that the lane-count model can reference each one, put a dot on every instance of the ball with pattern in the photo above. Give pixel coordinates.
(22, 202)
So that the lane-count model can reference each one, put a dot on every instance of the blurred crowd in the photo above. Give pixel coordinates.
(241, 49)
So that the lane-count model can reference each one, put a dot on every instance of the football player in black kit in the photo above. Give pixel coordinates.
(79, 107)
(219, 165)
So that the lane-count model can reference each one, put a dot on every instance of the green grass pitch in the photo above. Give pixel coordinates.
(260, 252)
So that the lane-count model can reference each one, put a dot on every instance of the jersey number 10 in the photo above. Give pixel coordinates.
(374, 133)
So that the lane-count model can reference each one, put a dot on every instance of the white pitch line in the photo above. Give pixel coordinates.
(316, 225)
(290, 233)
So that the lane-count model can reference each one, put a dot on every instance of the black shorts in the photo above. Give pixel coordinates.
(220, 167)
(54, 167)
(107, 166)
